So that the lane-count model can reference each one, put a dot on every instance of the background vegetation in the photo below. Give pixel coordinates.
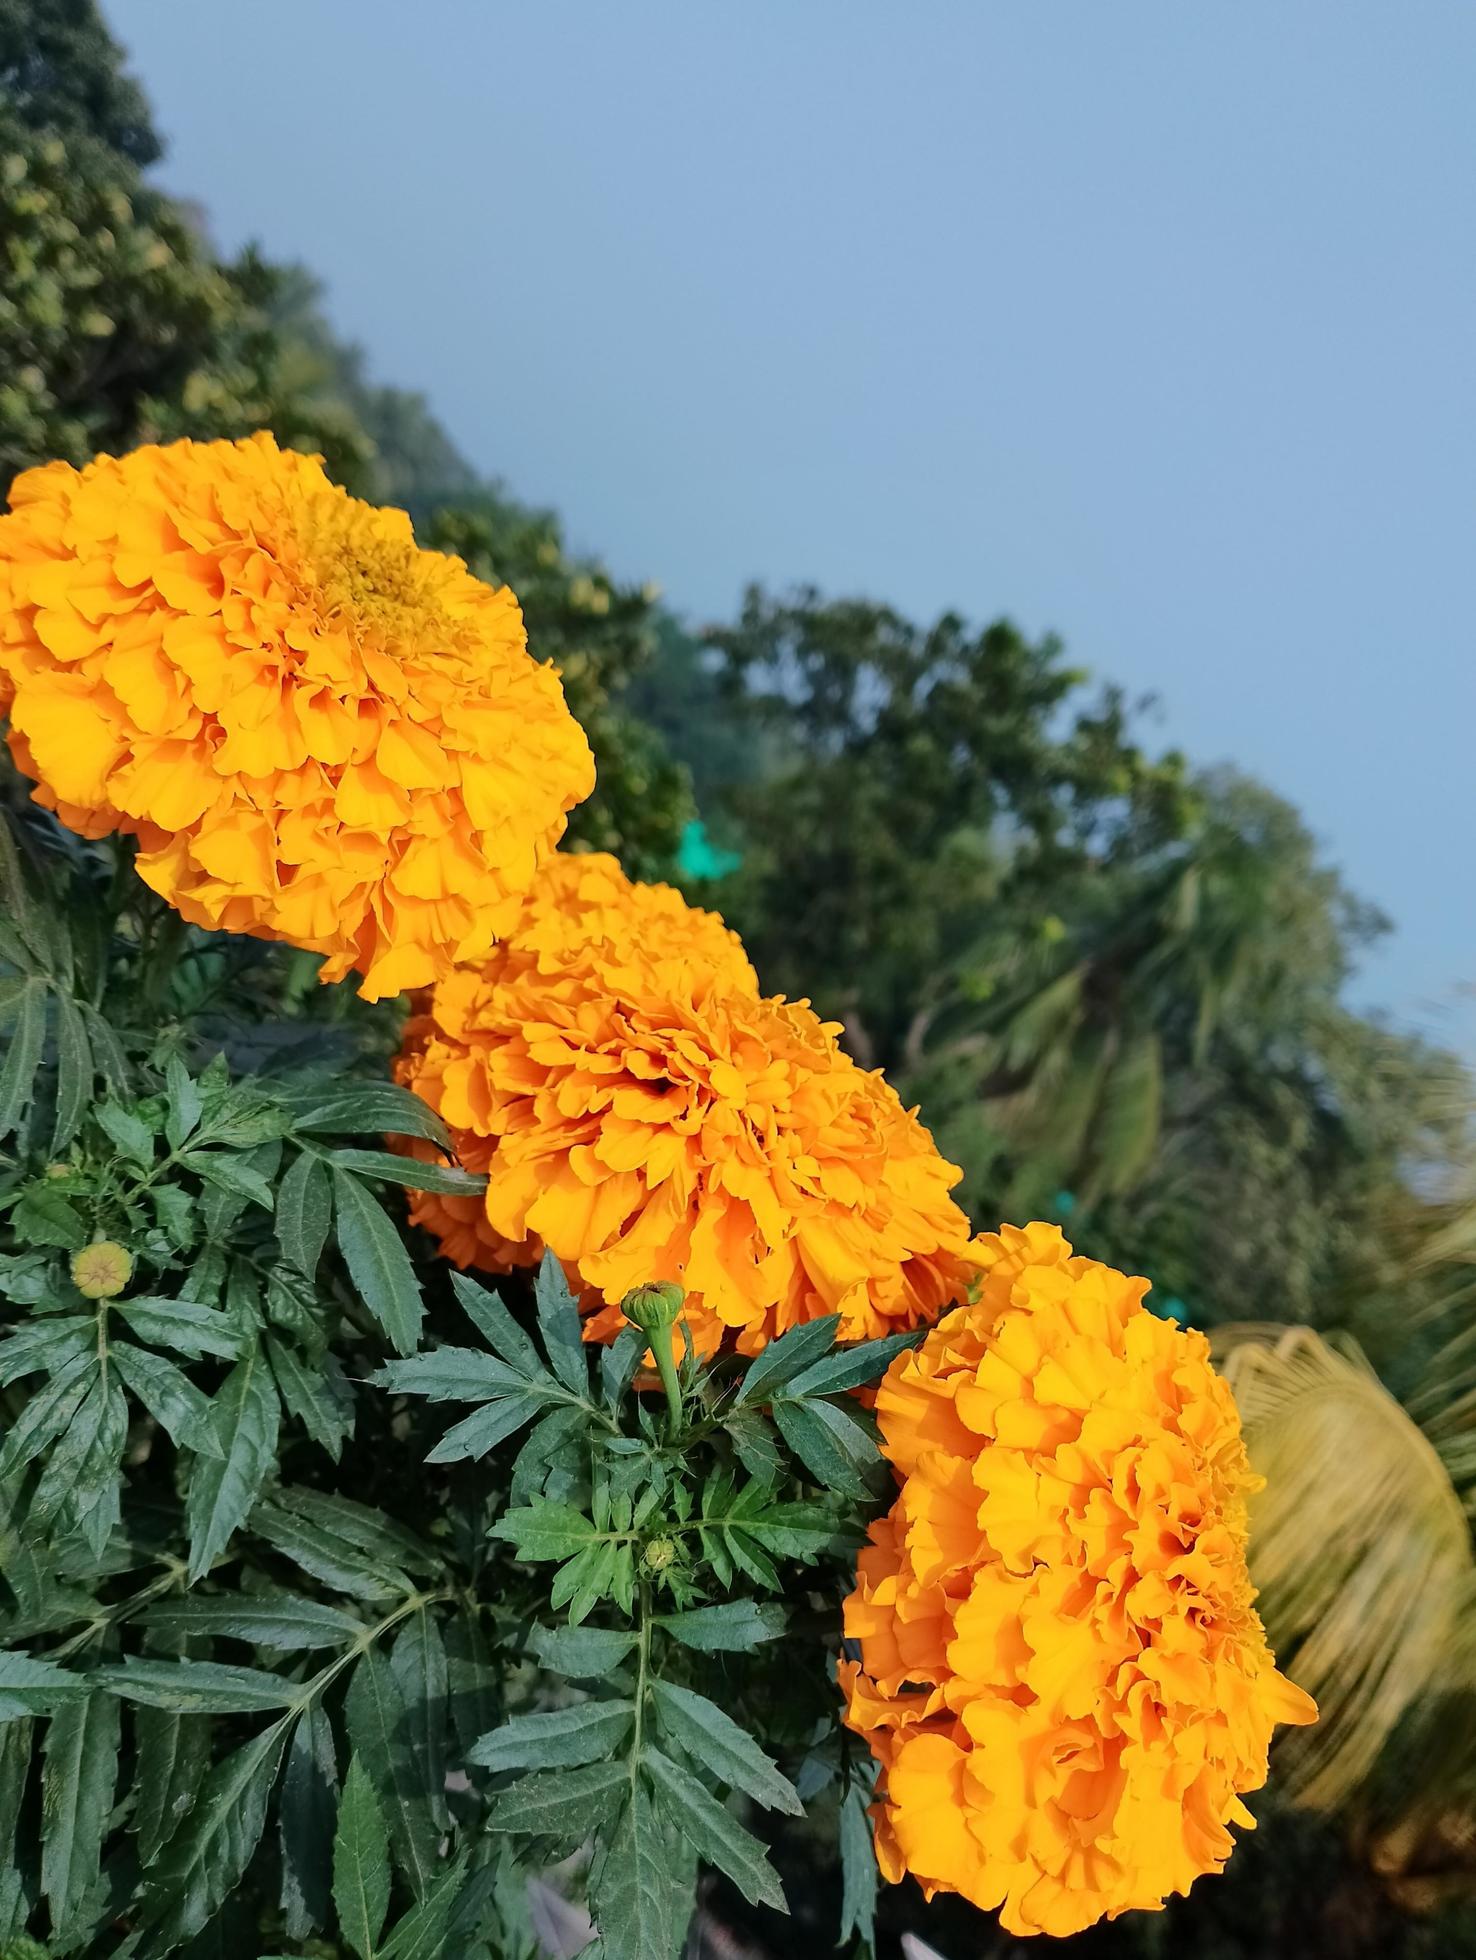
(1115, 983)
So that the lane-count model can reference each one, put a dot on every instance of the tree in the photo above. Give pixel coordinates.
(61, 70)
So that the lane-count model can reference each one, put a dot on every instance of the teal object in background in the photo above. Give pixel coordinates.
(699, 857)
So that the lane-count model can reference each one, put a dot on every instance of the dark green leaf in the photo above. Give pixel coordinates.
(305, 1820)
(46, 1345)
(377, 1726)
(170, 1397)
(361, 1871)
(182, 1118)
(418, 1663)
(498, 1328)
(32, 1687)
(328, 1556)
(713, 1833)
(758, 1448)
(23, 1055)
(618, 1364)
(412, 1171)
(278, 1620)
(128, 1131)
(183, 1326)
(228, 1171)
(450, 1374)
(73, 1072)
(472, 1679)
(185, 1687)
(735, 1627)
(319, 1396)
(370, 1108)
(173, 1756)
(558, 1323)
(787, 1357)
(557, 1739)
(222, 1492)
(378, 1263)
(833, 1441)
(79, 1770)
(583, 1653)
(45, 1217)
(858, 1867)
(640, 1893)
(728, 1752)
(422, 1933)
(558, 1803)
(304, 1211)
(545, 1531)
(485, 1428)
(851, 1367)
(201, 1864)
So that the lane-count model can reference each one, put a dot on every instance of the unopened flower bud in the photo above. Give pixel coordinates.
(653, 1308)
(102, 1270)
(659, 1554)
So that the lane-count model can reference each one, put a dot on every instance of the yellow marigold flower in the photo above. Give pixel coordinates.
(643, 1112)
(1062, 1673)
(100, 1271)
(317, 731)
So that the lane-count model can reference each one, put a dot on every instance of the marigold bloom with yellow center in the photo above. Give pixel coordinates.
(642, 1111)
(1062, 1673)
(317, 731)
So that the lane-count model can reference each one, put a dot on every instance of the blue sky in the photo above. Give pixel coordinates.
(1155, 326)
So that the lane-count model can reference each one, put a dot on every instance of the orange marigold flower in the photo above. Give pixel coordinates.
(317, 731)
(643, 1112)
(1062, 1673)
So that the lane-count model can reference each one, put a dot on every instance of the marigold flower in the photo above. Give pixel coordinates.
(641, 1110)
(317, 731)
(100, 1271)
(1062, 1673)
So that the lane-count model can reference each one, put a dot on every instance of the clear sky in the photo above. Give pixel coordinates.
(1154, 325)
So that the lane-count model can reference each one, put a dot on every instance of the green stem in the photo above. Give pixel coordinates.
(643, 1666)
(666, 1368)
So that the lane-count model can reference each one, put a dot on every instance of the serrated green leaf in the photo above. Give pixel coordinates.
(787, 1357)
(557, 1803)
(472, 1680)
(170, 1397)
(182, 1118)
(712, 1832)
(128, 1131)
(752, 1436)
(727, 1751)
(498, 1328)
(852, 1367)
(305, 1538)
(559, 1738)
(558, 1323)
(735, 1627)
(545, 1531)
(833, 1441)
(46, 1346)
(187, 1687)
(23, 1054)
(183, 1326)
(205, 1858)
(229, 1171)
(79, 1771)
(641, 1896)
(74, 1072)
(306, 1811)
(618, 1364)
(173, 1757)
(446, 1179)
(858, 1867)
(320, 1397)
(304, 1211)
(418, 1663)
(423, 1932)
(46, 1217)
(582, 1653)
(223, 1491)
(378, 1263)
(361, 1871)
(377, 1724)
(486, 1427)
(450, 1374)
(370, 1108)
(279, 1620)
(35, 1687)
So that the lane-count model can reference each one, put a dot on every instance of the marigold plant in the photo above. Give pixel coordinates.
(646, 1114)
(1061, 1670)
(317, 731)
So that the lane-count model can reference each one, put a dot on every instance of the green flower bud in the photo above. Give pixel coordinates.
(653, 1308)
(659, 1554)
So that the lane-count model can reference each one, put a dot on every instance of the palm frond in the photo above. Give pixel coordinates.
(1359, 1545)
